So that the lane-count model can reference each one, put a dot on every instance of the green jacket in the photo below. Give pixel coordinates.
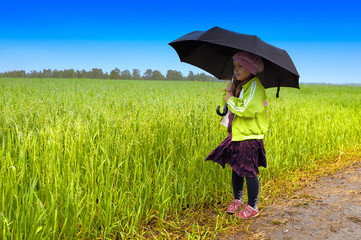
(250, 109)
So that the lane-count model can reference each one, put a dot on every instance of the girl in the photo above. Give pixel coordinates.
(243, 148)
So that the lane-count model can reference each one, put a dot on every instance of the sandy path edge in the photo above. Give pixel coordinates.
(330, 208)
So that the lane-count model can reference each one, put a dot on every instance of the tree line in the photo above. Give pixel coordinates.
(116, 73)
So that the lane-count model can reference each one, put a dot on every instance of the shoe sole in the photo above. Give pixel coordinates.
(249, 217)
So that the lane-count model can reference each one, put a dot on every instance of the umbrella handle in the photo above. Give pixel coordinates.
(225, 109)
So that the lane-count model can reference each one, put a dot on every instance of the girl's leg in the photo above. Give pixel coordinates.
(237, 203)
(252, 190)
(237, 183)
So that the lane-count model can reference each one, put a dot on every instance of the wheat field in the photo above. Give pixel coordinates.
(102, 159)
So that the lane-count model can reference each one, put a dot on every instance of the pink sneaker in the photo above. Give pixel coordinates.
(235, 206)
(247, 212)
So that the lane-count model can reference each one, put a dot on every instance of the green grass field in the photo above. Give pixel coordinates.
(102, 159)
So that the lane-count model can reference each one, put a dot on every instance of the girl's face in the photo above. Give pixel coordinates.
(241, 73)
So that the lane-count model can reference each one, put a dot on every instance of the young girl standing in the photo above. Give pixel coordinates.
(243, 148)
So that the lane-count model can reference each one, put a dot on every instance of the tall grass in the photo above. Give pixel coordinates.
(100, 158)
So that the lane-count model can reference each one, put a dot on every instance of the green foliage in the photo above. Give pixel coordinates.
(97, 73)
(115, 74)
(89, 159)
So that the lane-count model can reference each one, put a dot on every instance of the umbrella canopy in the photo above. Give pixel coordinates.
(213, 50)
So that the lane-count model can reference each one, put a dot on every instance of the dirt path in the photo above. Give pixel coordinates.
(329, 209)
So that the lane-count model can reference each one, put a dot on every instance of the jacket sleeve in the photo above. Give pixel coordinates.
(252, 102)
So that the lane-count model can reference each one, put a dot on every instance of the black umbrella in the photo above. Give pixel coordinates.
(212, 51)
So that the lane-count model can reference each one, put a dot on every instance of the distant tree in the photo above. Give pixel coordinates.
(21, 73)
(55, 74)
(115, 74)
(84, 74)
(33, 74)
(125, 75)
(148, 74)
(157, 75)
(47, 73)
(200, 77)
(169, 75)
(96, 73)
(16, 74)
(69, 73)
(106, 75)
(204, 77)
(190, 76)
(174, 75)
(136, 74)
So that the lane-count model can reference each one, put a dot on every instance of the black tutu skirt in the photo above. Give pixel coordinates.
(244, 157)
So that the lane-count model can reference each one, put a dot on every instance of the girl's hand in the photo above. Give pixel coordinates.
(228, 95)
(230, 87)
(229, 90)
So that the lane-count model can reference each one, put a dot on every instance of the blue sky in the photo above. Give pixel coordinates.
(322, 37)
